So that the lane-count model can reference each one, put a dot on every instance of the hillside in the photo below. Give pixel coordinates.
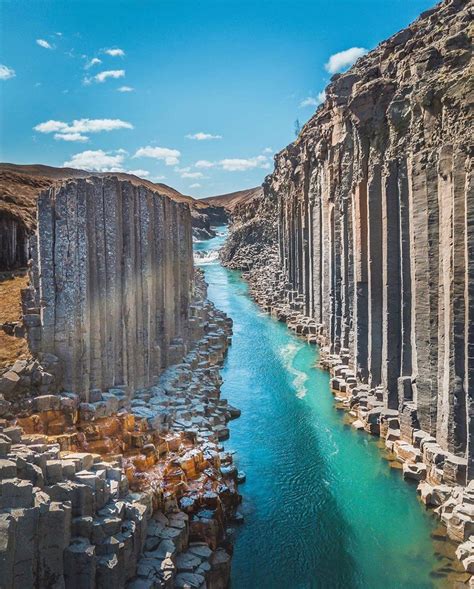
(230, 200)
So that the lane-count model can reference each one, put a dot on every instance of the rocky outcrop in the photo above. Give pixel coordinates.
(112, 468)
(13, 243)
(204, 220)
(111, 283)
(369, 215)
(253, 233)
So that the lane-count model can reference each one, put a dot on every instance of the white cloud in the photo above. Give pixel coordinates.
(6, 72)
(140, 173)
(204, 164)
(169, 156)
(203, 136)
(71, 137)
(94, 61)
(44, 44)
(313, 100)
(115, 52)
(157, 178)
(98, 160)
(102, 76)
(195, 185)
(268, 150)
(242, 165)
(83, 126)
(192, 175)
(236, 164)
(74, 131)
(125, 89)
(344, 59)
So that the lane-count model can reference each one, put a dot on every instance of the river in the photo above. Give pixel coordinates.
(322, 508)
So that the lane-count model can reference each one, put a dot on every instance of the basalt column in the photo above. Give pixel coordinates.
(375, 228)
(112, 281)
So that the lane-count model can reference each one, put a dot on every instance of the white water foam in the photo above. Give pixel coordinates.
(288, 354)
(203, 258)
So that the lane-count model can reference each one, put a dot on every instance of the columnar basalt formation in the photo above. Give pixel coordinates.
(124, 492)
(112, 470)
(111, 283)
(370, 221)
(21, 185)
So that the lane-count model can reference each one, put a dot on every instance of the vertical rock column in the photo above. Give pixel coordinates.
(115, 280)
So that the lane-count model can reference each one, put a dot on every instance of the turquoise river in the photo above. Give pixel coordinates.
(322, 508)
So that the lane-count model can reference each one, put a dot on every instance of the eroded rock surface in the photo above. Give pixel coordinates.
(112, 469)
(363, 241)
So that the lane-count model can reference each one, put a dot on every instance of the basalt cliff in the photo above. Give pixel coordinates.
(112, 470)
(21, 185)
(363, 241)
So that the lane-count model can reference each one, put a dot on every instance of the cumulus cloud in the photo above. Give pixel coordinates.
(195, 185)
(140, 173)
(115, 52)
(268, 150)
(242, 164)
(204, 164)
(344, 59)
(102, 76)
(169, 156)
(73, 131)
(97, 160)
(313, 100)
(237, 164)
(203, 136)
(125, 89)
(94, 61)
(193, 175)
(71, 137)
(6, 72)
(44, 44)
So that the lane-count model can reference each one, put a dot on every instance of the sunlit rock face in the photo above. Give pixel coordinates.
(369, 215)
(111, 283)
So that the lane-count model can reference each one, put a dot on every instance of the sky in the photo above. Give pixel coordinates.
(197, 94)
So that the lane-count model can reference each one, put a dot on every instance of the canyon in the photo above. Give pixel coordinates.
(113, 469)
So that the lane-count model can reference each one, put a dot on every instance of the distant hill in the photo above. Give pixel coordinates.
(230, 200)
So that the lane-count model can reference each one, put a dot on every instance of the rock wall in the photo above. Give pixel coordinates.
(374, 214)
(13, 243)
(111, 283)
(124, 492)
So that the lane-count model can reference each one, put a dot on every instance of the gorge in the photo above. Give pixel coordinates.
(329, 312)
(362, 241)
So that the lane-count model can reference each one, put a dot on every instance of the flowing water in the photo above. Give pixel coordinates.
(322, 508)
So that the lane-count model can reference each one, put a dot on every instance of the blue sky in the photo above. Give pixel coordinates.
(201, 94)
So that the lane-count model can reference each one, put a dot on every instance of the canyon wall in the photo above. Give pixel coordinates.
(21, 185)
(369, 227)
(111, 283)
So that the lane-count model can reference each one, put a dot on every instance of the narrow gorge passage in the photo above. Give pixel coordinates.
(322, 507)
